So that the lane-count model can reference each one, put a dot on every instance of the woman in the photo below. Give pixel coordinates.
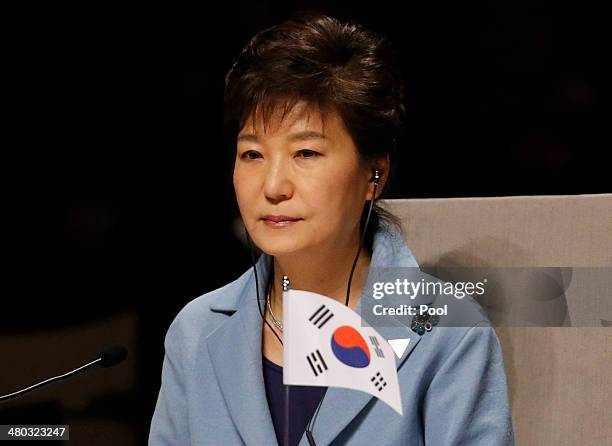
(314, 108)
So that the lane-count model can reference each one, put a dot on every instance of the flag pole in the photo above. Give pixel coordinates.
(285, 286)
(286, 437)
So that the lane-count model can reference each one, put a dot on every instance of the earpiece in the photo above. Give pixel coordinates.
(376, 177)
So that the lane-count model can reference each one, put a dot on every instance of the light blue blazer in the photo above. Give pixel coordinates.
(452, 379)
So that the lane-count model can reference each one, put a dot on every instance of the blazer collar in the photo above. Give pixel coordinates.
(235, 352)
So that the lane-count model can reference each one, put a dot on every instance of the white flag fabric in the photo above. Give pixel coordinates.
(324, 344)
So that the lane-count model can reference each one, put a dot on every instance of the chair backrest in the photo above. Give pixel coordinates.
(559, 376)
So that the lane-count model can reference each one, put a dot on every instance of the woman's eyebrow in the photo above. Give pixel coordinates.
(305, 135)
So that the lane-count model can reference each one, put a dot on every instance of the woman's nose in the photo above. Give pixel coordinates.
(278, 185)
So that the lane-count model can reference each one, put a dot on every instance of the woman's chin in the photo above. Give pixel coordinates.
(278, 248)
(279, 244)
(281, 240)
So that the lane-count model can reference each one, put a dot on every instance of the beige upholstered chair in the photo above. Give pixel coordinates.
(560, 378)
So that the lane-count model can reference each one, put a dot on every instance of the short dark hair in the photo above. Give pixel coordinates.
(332, 65)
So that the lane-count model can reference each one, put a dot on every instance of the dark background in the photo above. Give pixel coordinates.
(116, 192)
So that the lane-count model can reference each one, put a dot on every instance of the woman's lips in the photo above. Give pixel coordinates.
(279, 222)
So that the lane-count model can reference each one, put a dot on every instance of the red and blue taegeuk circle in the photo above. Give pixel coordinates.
(349, 347)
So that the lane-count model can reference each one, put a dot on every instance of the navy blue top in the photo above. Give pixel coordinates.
(303, 401)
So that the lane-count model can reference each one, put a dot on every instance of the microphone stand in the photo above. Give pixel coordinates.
(108, 358)
(49, 381)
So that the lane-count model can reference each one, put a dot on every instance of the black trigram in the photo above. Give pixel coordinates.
(321, 316)
(377, 349)
(317, 363)
(379, 381)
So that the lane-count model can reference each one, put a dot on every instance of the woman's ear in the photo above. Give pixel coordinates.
(379, 173)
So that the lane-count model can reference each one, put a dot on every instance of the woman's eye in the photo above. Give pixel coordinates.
(250, 154)
(306, 153)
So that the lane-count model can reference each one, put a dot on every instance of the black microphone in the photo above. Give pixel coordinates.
(106, 358)
(112, 356)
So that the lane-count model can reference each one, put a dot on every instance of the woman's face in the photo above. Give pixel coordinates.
(303, 172)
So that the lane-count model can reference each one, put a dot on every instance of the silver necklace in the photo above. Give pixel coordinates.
(276, 322)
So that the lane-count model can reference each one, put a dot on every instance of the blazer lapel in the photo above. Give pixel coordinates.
(235, 352)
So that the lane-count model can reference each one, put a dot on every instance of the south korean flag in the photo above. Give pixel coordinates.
(325, 345)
